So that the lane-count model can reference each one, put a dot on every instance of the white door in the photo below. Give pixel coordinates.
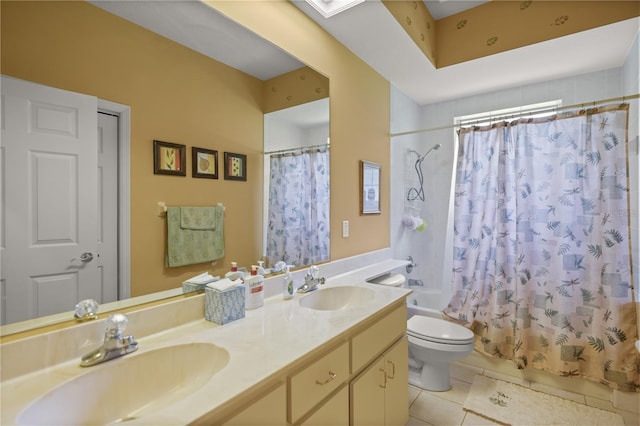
(49, 209)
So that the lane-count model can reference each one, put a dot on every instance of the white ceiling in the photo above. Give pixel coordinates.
(372, 33)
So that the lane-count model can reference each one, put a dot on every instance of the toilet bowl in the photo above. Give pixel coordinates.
(434, 343)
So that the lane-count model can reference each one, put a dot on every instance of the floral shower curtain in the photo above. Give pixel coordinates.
(298, 230)
(542, 266)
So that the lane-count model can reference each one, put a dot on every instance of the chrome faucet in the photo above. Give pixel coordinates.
(114, 345)
(311, 280)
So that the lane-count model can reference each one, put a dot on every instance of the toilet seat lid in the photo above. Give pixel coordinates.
(438, 330)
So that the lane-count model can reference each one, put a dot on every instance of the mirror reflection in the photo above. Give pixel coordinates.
(153, 88)
(296, 142)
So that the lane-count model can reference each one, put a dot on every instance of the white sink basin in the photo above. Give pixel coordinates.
(334, 298)
(128, 387)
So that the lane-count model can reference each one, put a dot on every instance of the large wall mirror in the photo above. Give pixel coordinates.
(296, 224)
(200, 28)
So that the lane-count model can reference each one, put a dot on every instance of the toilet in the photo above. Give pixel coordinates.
(433, 344)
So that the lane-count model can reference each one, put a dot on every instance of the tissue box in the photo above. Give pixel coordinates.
(189, 287)
(197, 283)
(225, 306)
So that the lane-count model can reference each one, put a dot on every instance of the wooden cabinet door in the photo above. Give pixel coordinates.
(334, 412)
(367, 395)
(397, 392)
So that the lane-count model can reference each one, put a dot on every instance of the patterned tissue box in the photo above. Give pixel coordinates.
(225, 306)
(197, 283)
(188, 287)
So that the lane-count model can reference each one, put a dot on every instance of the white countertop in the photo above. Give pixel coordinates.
(260, 345)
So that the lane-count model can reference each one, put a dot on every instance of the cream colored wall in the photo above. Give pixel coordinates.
(177, 95)
(359, 113)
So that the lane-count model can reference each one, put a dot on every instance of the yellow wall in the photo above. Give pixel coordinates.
(179, 96)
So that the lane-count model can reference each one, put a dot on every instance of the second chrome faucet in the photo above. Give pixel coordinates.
(114, 344)
(311, 280)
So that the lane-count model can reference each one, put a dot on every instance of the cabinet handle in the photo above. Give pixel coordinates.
(384, 376)
(332, 376)
(393, 369)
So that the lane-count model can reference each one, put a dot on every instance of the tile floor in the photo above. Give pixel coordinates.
(445, 408)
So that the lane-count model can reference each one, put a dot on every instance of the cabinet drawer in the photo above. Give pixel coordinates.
(311, 385)
(368, 344)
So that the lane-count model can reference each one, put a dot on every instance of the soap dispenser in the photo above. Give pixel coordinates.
(234, 274)
(287, 290)
(254, 289)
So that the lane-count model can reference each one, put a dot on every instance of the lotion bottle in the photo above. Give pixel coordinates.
(234, 274)
(254, 285)
(287, 291)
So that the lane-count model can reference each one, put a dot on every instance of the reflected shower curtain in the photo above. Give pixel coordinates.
(542, 267)
(298, 230)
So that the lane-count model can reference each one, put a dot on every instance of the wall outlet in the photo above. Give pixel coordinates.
(345, 228)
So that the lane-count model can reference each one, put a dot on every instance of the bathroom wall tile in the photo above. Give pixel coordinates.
(436, 411)
(563, 89)
(614, 83)
(535, 93)
(591, 87)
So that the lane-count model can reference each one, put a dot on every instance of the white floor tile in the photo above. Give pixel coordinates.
(507, 378)
(458, 392)
(571, 396)
(464, 372)
(413, 394)
(436, 411)
(471, 419)
(416, 422)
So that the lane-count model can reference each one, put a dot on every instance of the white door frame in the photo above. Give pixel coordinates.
(124, 192)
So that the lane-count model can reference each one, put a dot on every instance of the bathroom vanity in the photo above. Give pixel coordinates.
(335, 355)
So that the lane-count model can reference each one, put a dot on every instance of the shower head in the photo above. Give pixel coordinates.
(433, 148)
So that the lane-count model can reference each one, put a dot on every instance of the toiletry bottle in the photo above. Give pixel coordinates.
(261, 267)
(234, 274)
(287, 290)
(254, 285)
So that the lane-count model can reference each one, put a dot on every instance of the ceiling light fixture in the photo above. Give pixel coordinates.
(328, 8)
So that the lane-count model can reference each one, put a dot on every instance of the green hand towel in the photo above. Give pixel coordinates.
(194, 235)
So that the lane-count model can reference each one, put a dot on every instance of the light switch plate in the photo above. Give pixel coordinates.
(345, 228)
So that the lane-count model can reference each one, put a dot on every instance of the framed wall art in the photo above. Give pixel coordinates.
(204, 163)
(235, 166)
(169, 158)
(369, 188)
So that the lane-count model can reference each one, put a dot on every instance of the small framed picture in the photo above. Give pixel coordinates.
(235, 166)
(169, 158)
(369, 188)
(204, 163)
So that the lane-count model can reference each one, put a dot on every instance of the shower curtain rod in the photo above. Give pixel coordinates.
(582, 105)
(302, 148)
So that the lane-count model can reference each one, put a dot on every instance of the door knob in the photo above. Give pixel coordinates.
(84, 257)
